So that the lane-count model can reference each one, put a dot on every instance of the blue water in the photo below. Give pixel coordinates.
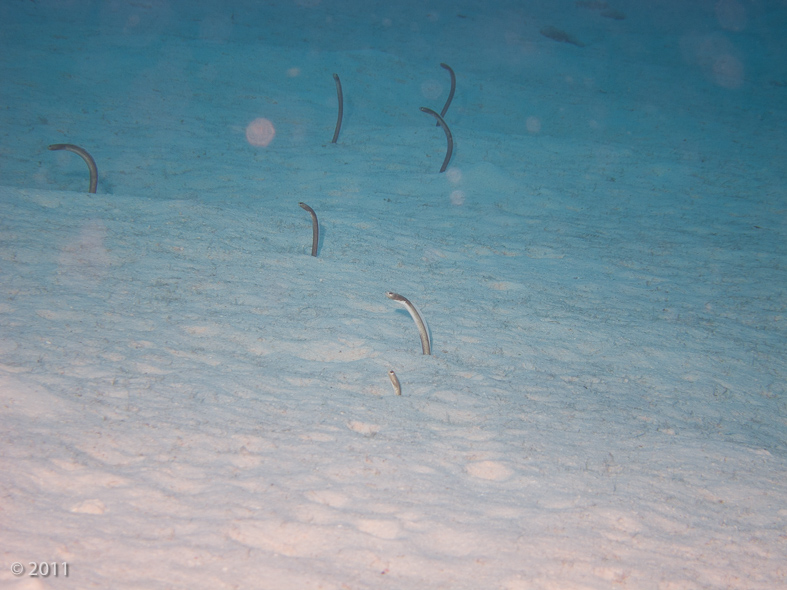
(161, 92)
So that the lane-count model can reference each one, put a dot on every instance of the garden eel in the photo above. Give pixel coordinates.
(91, 163)
(450, 94)
(395, 382)
(426, 342)
(315, 227)
(448, 136)
(341, 108)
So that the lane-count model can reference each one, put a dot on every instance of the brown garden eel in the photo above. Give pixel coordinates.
(426, 342)
(91, 163)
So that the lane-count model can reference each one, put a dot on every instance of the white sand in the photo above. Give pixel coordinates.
(189, 400)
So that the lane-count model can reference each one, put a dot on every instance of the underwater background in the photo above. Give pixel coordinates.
(190, 398)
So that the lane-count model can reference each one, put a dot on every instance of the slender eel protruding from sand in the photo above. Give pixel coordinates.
(395, 382)
(450, 94)
(91, 163)
(315, 228)
(448, 137)
(340, 96)
(426, 342)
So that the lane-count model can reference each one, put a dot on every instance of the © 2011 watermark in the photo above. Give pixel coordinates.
(40, 569)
